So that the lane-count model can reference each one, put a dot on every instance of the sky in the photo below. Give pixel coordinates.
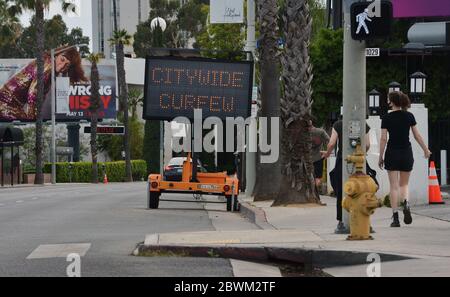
(83, 19)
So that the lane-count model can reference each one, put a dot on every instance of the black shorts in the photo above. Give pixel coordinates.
(318, 169)
(399, 159)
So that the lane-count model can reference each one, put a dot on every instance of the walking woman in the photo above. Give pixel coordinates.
(336, 173)
(398, 159)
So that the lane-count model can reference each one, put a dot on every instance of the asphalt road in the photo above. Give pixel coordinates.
(109, 220)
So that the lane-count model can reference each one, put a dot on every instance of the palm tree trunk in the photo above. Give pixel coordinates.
(39, 178)
(268, 175)
(116, 27)
(124, 99)
(94, 149)
(95, 103)
(297, 184)
(123, 95)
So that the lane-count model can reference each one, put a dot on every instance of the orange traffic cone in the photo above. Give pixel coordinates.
(434, 190)
(105, 179)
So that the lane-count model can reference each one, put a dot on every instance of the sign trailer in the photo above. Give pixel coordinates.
(176, 87)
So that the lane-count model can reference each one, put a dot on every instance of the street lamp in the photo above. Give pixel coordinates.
(158, 22)
(394, 87)
(374, 102)
(53, 104)
(161, 23)
(418, 85)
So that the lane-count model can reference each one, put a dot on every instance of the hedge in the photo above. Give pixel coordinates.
(82, 171)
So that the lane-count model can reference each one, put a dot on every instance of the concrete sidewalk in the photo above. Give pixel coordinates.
(307, 232)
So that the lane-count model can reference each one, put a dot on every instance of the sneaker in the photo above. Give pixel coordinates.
(407, 214)
(395, 222)
(340, 229)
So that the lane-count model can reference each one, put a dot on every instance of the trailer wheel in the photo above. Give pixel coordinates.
(153, 200)
(229, 202)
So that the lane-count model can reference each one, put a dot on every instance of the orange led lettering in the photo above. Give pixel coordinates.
(214, 78)
(191, 76)
(180, 105)
(214, 104)
(236, 80)
(168, 82)
(204, 77)
(225, 79)
(161, 98)
(189, 101)
(154, 73)
(178, 72)
(202, 101)
(228, 107)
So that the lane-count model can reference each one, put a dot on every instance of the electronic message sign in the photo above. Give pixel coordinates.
(177, 86)
(106, 130)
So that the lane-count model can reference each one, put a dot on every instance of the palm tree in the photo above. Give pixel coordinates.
(9, 24)
(297, 185)
(135, 98)
(268, 174)
(38, 7)
(120, 39)
(95, 103)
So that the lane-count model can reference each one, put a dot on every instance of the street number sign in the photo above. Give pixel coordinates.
(372, 52)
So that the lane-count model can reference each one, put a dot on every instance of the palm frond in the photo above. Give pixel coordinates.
(121, 37)
(94, 57)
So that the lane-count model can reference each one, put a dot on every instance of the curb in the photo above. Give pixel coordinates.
(310, 258)
(255, 215)
(47, 185)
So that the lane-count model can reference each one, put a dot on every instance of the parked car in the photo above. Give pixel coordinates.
(174, 170)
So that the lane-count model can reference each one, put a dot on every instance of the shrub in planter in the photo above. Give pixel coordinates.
(81, 171)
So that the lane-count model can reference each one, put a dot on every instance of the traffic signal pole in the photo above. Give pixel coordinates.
(354, 96)
(250, 157)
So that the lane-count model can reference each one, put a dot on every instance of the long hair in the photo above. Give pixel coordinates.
(75, 71)
(400, 99)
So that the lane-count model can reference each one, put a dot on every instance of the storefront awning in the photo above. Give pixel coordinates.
(10, 136)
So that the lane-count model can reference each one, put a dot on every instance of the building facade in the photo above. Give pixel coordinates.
(129, 14)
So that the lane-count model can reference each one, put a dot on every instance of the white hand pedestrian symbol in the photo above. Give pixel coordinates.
(361, 19)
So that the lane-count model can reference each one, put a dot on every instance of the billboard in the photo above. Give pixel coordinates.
(18, 91)
(226, 11)
(421, 8)
(177, 86)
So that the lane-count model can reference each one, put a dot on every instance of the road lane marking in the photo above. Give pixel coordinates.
(19, 201)
(34, 198)
(249, 269)
(48, 251)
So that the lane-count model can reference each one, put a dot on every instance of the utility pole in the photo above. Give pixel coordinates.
(250, 157)
(53, 117)
(354, 95)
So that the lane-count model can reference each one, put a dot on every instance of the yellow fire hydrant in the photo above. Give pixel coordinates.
(360, 200)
